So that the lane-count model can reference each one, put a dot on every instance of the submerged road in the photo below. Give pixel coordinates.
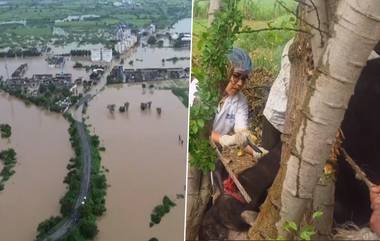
(65, 225)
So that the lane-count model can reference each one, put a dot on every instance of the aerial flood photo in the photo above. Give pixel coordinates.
(93, 119)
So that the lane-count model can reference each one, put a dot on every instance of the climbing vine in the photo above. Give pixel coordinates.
(214, 44)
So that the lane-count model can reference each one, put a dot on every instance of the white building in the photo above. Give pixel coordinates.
(152, 28)
(126, 44)
(95, 55)
(106, 55)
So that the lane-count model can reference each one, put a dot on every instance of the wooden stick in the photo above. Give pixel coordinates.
(225, 162)
(360, 174)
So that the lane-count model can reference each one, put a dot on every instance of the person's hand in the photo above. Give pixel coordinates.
(258, 155)
(375, 205)
(239, 139)
(375, 197)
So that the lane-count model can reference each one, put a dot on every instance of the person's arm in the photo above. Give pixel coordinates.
(375, 205)
(215, 136)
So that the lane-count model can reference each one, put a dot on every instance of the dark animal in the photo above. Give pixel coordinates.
(361, 127)
(222, 216)
(257, 179)
(225, 214)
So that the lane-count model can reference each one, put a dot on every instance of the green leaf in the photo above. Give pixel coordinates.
(290, 226)
(306, 235)
(317, 214)
(201, 123)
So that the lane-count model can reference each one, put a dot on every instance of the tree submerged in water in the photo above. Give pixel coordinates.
(160, 211)
(6, 130)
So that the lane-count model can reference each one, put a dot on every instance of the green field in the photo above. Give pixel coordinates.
(41, 16)
(265, 47)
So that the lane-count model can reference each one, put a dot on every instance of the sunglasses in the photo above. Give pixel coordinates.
(237, 76)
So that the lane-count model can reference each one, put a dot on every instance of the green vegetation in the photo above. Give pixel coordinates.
(213, 45)
(6, 130)
(182, 94)
(306, 231)
(94, 204)
(265, 46)
(153, 239)
(160, 211)
(41, 19)
(9, 160)
(47, 225)
(48, 96)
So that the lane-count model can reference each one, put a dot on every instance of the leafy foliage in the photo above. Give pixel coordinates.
(94, 205)
(304, 232)
(9, 160)
(6, 130)
(160, 211)
(214, 44)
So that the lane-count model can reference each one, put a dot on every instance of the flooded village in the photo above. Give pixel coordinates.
(138, 138)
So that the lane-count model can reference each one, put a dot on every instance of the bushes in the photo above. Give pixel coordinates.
(95, 202)
(46, 225)
(9, 159)
(6, 130)
(160, 211)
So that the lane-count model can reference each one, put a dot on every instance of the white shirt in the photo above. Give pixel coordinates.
(275, 108)
(233, 115)
(192, 91)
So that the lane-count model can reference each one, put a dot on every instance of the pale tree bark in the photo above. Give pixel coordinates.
(264, 227)
(355, 34)
(318, 16)
(212, 9)
(324, 200)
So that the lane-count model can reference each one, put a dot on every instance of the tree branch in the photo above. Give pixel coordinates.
(301, 19)
(359, 173)
(302, 2)
(319, 22)
(273, 29)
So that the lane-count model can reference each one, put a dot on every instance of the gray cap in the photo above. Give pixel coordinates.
(240, 61)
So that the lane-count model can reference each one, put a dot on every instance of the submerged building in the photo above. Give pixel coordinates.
(101, 54)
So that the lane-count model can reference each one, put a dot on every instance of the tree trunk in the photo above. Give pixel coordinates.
(308, 128)
(212, 9)
(198, 195)
(317, 15)
(324, 200)
(300, 58)
(355, 35)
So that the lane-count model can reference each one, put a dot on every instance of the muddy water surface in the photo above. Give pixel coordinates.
(145, 162)
(32, 194)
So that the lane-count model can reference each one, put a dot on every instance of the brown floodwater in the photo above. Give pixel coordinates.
(32, 194)
(38, 65)
(145, 162)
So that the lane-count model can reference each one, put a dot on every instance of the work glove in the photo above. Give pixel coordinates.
(238, 139)
(258, 155)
